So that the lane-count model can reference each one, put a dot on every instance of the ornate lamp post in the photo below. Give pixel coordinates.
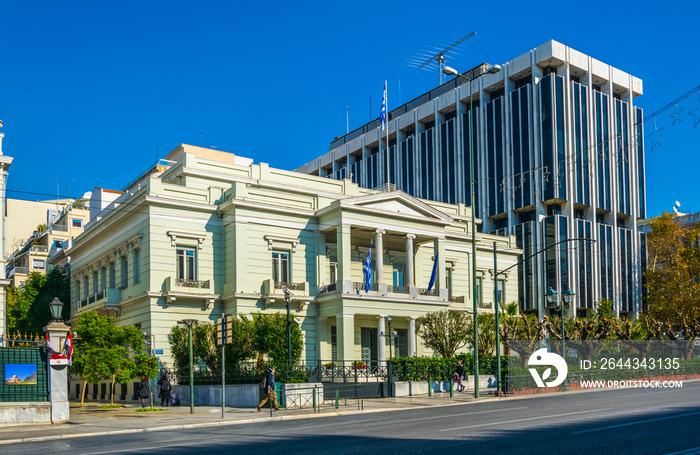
(56, 307)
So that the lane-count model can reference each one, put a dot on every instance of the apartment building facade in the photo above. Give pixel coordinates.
(559, 155)
(209, 233)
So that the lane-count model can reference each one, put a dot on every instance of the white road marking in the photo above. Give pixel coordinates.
(523, 420)
(636, 423)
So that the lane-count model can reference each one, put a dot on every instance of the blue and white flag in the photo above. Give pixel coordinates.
(382, 111)
(368, 268)
(433, 275)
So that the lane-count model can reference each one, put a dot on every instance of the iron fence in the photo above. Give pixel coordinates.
(327, 288)
(575, 380)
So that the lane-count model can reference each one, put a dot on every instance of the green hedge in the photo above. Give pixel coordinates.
(441, 369)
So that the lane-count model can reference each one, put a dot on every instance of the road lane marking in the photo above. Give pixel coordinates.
(693, 451)
(523, 420)
(636, 423)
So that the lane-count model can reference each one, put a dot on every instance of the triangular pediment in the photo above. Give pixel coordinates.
(396, 202)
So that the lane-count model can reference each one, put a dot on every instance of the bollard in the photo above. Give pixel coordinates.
(430, 388)
(452, 388)
(337, 398)
(314, 391)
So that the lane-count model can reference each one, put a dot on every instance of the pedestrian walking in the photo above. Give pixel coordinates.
(459, 375)
(268, 386)
(144, 392)
(165, 389)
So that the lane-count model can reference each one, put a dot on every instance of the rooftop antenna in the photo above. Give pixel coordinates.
(676, 207)
(440, 56)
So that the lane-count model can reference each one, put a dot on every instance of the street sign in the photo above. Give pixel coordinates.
(223, 329)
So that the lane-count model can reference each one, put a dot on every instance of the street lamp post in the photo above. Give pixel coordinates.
(567, 299)
(453, 72)
(391, 337)
(190, 323)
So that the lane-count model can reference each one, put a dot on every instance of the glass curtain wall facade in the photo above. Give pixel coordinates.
(559, 156)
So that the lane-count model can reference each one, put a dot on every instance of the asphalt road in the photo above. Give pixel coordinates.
(628, 421)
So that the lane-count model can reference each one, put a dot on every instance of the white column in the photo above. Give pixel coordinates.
(409, 259)
(345, 323)
(379, 252)
(381, 341)
(411, 337)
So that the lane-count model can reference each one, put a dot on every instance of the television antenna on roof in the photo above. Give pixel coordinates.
(676, 207)
(440, 56)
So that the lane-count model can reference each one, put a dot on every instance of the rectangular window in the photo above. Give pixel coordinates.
(112, 275)
(103, 278)
(125, 273)
(501, 293)
(38, 264)
(186, 264)
(94, 282)
(76, 223)
(280, 266)
(334, 272)
(448, 281)
(398, 275)
(334, 343)
(478, 293)
(137, 266)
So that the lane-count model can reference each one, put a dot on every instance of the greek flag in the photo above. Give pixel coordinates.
(382, 111)
(368, 268)
(432, 276)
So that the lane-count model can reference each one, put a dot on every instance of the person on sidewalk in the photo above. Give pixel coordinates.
(144, 392)
(459, 375)
(268, 386)
(165, 388)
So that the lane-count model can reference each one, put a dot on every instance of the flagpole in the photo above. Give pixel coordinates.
(386, 97)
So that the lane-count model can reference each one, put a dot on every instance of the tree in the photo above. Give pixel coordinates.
(446, 331)
(145, 366)
(673, 288)
(28, 306)
(271, 337)
(102, 350)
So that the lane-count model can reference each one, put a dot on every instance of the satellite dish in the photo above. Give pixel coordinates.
(678, 204)
(675, 210)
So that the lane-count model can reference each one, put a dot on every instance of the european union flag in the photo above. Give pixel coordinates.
(368, 268)
(433, 275)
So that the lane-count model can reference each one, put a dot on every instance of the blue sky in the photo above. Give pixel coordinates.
(92, 92)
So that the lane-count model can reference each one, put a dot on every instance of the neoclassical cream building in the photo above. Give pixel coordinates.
(205, 232)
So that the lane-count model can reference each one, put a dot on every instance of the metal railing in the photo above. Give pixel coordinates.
(192, 283)
(453, 299)
(486, 305)
(59, 228)
(361, 286)
(18, 270)
(353, 371)
(327, 288)
(397, 289)
(39, 248)
(290, 286)
(425, 291)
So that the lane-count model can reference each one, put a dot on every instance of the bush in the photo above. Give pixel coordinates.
(442, 369)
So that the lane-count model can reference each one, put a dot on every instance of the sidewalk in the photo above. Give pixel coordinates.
(92, 421)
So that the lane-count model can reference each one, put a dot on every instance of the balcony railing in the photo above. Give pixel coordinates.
(59, 228)
(39, 248)
(327, 288)
(454, 299)
(486, 305)
(361, 286)
(18, 270)
(425, 291)
(192, 284)
(397, 289)
(291, 286)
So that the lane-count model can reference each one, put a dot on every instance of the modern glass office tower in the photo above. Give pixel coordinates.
(559, 156)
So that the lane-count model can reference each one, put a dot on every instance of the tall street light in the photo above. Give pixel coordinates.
(287, 299)
(453, 72)
(190, 323)
(567, 298)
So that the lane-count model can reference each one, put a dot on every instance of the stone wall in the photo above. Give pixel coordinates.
(24, 413)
